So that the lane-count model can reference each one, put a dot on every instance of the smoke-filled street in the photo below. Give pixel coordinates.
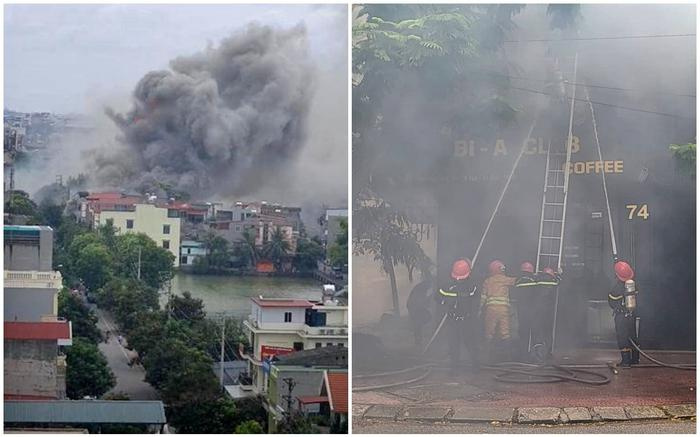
(523, 215)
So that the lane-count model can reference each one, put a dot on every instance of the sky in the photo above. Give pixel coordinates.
(74, 58)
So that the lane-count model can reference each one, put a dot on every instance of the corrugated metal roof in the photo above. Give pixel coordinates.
(143, 412)
(282, 303)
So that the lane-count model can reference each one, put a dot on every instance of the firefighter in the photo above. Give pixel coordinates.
(418, 306)
(547, 283)
(525, 303)
(457, 301)
(624, 314)
(495, 306)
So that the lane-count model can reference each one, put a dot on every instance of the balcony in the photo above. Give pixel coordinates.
(32, 279)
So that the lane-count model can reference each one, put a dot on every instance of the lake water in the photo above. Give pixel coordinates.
(232, 294)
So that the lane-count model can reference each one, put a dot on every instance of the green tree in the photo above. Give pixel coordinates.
(218, 252)
(246, 250)
(249, 427)
(50, 214)
(309, 252)
(127, 299)
(84, 322)
(90, 260)
(685, 157)
(155, 266)
(187, 308)
(385, 233)
(87, 372)
(338, 252)
(209, 416)
(18, 202)
(277, 248)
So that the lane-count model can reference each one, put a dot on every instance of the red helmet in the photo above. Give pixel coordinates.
(527, 267)
(549, 271)
(496, 267)
(623, 271)
(461, 269)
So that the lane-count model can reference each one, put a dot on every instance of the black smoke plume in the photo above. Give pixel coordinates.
(217, 122)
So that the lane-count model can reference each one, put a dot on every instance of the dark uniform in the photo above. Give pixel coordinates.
(544, 314)
(460, 301)
(418, 308)
(625, 324)
(526, 297)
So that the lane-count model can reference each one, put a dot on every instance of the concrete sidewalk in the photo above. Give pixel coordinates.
(640, 393)
(519, 415)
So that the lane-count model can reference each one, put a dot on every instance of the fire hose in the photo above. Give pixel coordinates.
(660, 363)
(526, 373)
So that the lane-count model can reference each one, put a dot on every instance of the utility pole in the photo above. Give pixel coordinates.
(223, 333)
(138, 272)
(288, 397)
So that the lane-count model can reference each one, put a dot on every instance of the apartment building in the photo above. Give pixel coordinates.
(279, 326)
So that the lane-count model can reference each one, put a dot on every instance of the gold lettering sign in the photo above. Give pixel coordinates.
(588, 167)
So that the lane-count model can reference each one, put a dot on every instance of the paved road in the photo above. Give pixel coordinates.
(648, 427)
(129, 379)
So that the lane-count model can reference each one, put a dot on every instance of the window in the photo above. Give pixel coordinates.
(329, 344)
(166, 229)
(341, 344)
(166, 244)
(298, 346)
(287, 317)
(238, 228)
(318, 345)
(129, 224)
(110, 222)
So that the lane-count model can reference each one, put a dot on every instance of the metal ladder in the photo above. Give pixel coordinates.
(550, 243)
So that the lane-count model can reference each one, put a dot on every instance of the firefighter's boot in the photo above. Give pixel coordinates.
(635, 356)
(626, 358)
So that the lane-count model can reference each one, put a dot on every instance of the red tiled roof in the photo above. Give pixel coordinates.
(105, 196)
(337, 388)
(37, 330)
(312, 399)
(282, 303)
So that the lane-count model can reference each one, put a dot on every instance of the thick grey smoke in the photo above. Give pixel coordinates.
(218, 122)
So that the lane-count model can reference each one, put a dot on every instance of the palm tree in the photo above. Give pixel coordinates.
(246, 248)
(277, 248)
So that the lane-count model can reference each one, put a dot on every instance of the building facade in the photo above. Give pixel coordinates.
(157, 223)
(190, 251)
(281, 326)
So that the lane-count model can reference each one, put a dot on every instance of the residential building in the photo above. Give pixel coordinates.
(92, 205)
(159, 224)
(28, 248)
(330, 224)
(281, 326)
(306, 372)
(190, 251)
(33, 367)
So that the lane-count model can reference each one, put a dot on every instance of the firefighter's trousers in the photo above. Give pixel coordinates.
(497, 322)
(626, 328)
(462, 331)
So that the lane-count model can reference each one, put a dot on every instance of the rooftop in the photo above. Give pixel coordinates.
(281, 303)
(337, 387)
(93, 411)
(37, 330)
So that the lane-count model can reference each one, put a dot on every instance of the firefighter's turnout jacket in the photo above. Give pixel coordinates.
(495, 301)
(625, 324)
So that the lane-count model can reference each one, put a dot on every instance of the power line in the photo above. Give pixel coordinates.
(646, 111)
(599, 38)
(590, 86)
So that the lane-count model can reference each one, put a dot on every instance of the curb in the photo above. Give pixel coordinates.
(523, 415)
